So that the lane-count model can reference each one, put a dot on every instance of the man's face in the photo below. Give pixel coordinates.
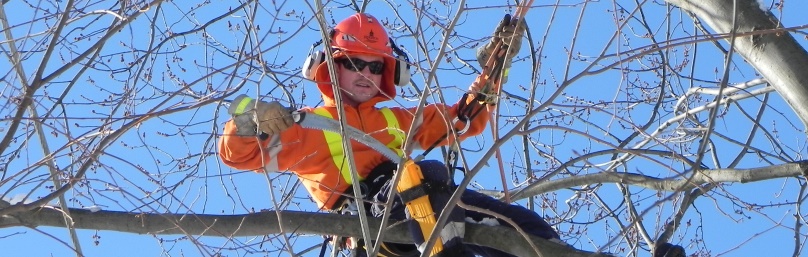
(358, 78)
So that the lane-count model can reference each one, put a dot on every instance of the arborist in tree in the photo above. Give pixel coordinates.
(263, 136)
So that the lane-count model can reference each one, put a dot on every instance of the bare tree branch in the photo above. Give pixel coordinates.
(678, 183)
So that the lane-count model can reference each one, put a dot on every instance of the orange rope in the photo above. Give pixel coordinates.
(521, 10)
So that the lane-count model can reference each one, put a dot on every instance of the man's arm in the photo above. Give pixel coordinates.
(439, 119)
(255, 124)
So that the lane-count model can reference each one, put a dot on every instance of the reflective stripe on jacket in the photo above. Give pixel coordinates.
(334, 142)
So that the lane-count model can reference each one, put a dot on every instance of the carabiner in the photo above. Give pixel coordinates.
(465, 125)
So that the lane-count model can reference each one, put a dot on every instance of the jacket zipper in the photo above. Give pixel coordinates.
(359, 117)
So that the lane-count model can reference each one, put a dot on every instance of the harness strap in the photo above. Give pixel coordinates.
(347, 206)
(325, 245)
(426, 188)
(370, 185)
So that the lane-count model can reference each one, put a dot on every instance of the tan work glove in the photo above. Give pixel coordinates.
(251, 117)
(510, 35)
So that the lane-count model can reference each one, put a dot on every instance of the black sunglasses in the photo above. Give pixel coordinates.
(355, 64)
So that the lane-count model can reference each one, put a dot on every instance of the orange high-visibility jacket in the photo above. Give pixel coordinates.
(317, 156)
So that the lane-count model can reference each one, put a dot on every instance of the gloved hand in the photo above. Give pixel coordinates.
(251, 117)
(510, 34)
(489, 96)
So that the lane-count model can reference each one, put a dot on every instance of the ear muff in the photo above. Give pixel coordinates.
(402, 71)
(314, 60)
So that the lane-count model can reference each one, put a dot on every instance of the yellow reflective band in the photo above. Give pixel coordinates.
(242, 105)
(394, 130)
(507, 71)
(334, 142)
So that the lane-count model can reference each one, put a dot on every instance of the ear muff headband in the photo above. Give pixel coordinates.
(402, 71)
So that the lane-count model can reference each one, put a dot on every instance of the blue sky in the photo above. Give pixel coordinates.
(165, 164)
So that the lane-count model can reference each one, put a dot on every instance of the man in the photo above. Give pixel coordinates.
(367, 73)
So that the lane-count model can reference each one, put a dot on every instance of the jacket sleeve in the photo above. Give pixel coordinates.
(437, 119)
(277, 153)
(240, 152)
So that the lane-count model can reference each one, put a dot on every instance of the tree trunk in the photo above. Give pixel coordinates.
(763, 43)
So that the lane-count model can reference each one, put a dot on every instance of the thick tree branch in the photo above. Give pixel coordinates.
(256, 224)
(775, 54)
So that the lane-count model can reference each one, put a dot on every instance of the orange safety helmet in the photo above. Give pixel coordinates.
(360, 34)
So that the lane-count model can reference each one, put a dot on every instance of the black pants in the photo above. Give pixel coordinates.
(436, 172)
